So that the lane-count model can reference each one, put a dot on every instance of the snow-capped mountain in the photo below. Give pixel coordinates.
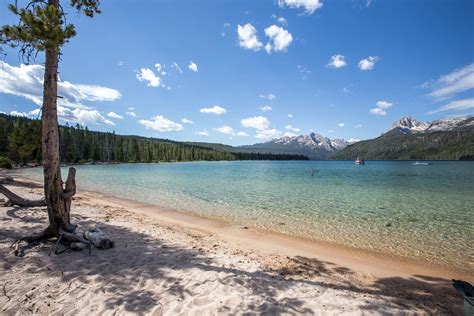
(313, 141)
(315, 146)
(408, 125)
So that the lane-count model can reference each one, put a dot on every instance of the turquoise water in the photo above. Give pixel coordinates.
(423, 212)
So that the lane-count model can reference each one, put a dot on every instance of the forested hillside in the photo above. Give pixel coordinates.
(444, 145)
(20, 141)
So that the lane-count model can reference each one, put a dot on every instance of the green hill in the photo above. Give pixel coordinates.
(442, 145)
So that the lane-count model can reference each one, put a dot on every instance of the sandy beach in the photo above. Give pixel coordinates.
(168, 262)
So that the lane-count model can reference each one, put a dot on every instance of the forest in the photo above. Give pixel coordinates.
(441, 145)
(20, 143)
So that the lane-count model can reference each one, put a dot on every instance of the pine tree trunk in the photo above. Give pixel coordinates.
(58, 210)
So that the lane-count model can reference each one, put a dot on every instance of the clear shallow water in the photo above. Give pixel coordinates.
(423, 212)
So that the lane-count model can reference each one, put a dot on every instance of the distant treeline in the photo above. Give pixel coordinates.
(20, 141)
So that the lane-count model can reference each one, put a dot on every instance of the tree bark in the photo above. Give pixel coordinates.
(58, 213)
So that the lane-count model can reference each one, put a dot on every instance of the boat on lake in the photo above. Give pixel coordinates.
(359, 161)
(422, 163)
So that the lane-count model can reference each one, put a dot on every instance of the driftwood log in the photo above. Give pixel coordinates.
(14, 199)
(98, 239)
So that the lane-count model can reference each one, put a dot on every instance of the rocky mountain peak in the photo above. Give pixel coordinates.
(409, 123)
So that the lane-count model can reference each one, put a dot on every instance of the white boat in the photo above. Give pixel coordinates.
(359, 161)
(421, 163)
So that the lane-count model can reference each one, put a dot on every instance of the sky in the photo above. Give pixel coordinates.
(243, 72)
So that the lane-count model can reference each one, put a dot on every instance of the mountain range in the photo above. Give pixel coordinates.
(408, 125)
(408, 138)
(315, 146)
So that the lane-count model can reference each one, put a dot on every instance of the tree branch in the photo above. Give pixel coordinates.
(15, 199)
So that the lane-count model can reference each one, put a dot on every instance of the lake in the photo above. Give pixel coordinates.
(391, 207)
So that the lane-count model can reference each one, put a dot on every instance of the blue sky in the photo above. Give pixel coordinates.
(345, 69)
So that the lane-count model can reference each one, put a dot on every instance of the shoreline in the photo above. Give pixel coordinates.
(259, 239)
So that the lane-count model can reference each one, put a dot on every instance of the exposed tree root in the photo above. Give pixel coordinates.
(14, 199)
(65, 238)
(45, 235)
(60, 226)
(72, 237)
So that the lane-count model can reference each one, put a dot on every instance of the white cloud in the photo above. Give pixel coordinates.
(91, 117)
(457, 81)
(290, 115)
(384, 104)
(280, 19)
(303, 71)
(248, 39)
(227, 130)
(337, 61)
(358, 126)
(309, 6)
(330, 131)
(193, 67)
(257, 122)
(158, 67)
(368, 63)
(377, 111)
(280, 39)
(380, 108)
(161, 124)
(17, 113)
(266, 108)
(31, 114)
(269, 96)
(294, 129)
(458, 105)
(224, 129)
(353, 140)
(27, 81)
(224, 29)
(131, 113)
(290, 134)
(341, 124)
(120, 63)
(203, 133)
(78, 115)
(146, 74)
(217, 110)
(115, 115)
(268, 134)
(186, 121)
(131, 108)
(176, 66)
